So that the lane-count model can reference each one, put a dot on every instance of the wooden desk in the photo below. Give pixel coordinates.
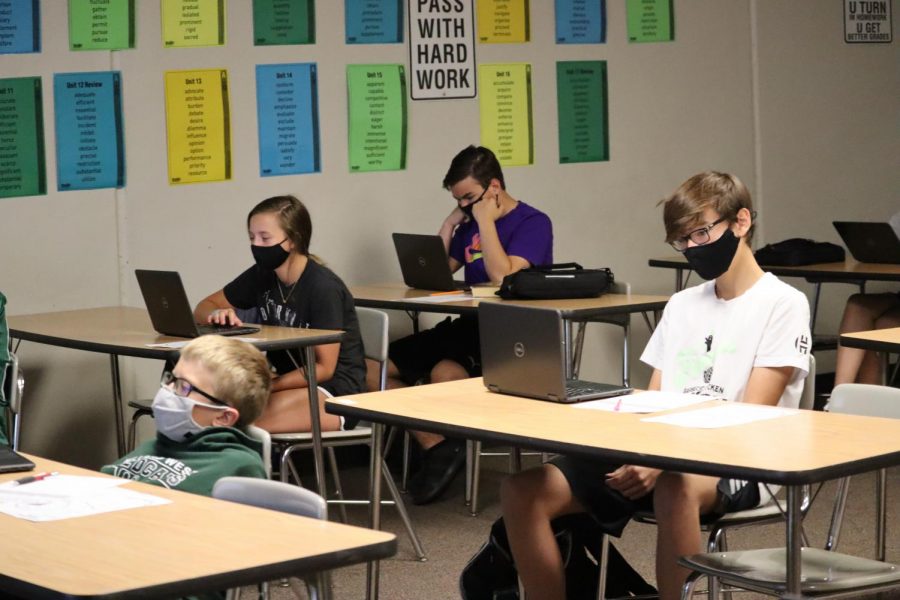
(848, 271)
(805, 448)
(884, 341)
(193, 544)
(126, 331)
(577, 310)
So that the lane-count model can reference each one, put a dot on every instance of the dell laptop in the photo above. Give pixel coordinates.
(170, 311)
(424, 262)
(11, 461)
(870, 242)
(523, 354)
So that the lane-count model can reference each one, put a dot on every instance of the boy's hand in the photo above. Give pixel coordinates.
(488, 210)
(631, 481)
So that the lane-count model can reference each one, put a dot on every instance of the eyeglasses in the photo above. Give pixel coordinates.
(183, 387)
(699, 236)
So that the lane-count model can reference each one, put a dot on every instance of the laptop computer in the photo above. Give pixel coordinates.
(170, 311)
(870, 242)
(523, 354)
(11, 461)
(424, 262)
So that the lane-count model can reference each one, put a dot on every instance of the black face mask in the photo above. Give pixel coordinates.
(467, 210)
(712, 259)
(269, 258)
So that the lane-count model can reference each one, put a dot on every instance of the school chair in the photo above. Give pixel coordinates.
(12, 383)
(373, 326)
(474, 448)
(262, 436)
(716, 541)
(283, 497)
(871, 401)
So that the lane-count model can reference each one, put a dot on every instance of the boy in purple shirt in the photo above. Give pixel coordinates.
(491, 235)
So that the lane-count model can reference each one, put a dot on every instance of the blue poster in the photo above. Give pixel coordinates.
(374, 21)
(20, 26)
(90, 146)
(287, 109)
(580, 21)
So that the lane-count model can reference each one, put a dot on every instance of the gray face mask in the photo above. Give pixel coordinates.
(173, 415)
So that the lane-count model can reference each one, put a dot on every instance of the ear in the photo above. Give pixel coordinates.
(227, 417)
(743, 222)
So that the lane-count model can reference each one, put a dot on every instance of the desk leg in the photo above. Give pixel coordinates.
(309, 357)
(372, 568)
(793, 542)
(117, 403)
(679, 282)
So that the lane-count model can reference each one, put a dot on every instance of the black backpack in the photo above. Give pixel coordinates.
(491, 573)
(796, 252)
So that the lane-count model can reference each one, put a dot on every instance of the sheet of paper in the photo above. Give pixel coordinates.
(21, 29)
(198, 126)
(61, 486)
(183, 343)
(503, 21)
(276, 22)
(287, 110)
(581, 104)
(378, 122)
(731, 413)
(441, 298)
(645, 402)
(53, 508)
(580, 21)
(187, 23)
(24, 171)
(504, 92)
(650, 21)
(101, 25)
(373, 21)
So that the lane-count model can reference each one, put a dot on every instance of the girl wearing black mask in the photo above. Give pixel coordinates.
(289, 287)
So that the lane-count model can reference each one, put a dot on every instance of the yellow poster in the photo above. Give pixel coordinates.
(188, 23)
(198, 126)
(503, 21)
(504, 92)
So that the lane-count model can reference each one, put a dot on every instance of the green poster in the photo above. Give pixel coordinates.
(650, 20)
(22, 168)
(277, 22)
(101, 25)
(377, 106)
(581, 103)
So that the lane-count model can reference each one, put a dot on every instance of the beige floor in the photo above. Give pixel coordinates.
(451, 536)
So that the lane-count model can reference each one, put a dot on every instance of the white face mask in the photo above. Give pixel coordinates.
(174, 414)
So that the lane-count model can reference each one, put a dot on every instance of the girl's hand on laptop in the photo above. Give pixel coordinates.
(224, 316)
(631, 481)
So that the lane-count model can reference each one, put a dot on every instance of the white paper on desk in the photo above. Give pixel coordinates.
(42, 507)
(61, 486)
(441, 298)
(182, 344)
(730, 413)
(645, 402)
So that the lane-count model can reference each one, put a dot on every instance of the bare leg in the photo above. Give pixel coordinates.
(862, 313)
(530, 500)
(678, 502)
(288, 411)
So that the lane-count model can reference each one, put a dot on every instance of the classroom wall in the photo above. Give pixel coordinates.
(765, 89)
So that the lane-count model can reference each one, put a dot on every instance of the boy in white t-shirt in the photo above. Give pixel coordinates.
(743, 335)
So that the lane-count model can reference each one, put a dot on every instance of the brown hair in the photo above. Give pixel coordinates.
(724, 193)
(240, 373)
(479, 163)
(292, 217)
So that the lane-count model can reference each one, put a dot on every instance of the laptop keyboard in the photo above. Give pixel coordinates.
(578, 388)
(226, 329)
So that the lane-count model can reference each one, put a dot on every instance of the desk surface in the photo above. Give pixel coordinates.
(849, 270)
(880, 340)
(802, 448)
(399, 297)
(126, 331)
(193, 544)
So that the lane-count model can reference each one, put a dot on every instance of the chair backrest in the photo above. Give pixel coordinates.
(864, 399)
(274, 495)
(373, 328)
(808, 395)
(262, 436)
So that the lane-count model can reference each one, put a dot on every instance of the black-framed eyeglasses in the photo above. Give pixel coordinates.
(183, 387)
(699, 236)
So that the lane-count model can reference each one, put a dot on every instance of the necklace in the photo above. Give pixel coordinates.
(284, 298)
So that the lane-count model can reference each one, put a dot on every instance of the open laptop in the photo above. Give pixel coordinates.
(170, 311)
(870, 242)
(523, 354)
(424, 262)
(11, 461)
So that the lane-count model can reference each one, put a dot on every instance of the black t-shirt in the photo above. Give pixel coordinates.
(320, 300)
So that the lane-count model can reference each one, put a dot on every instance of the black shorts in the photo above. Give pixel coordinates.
(451, 339)
(612, 510)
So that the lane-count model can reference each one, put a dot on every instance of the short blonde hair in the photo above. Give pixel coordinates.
(724, 193)
(241, 376)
